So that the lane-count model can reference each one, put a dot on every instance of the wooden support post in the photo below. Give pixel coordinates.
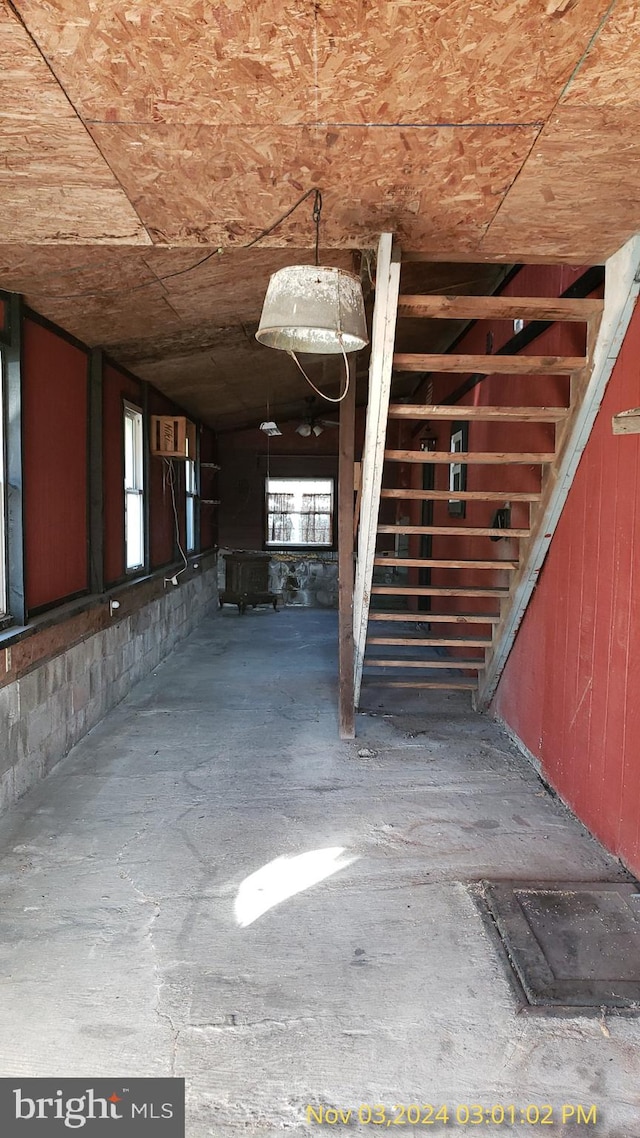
(95, 474)
(346, 441)
(382, 343)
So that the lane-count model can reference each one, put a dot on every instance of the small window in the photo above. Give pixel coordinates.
(300, 512)
(133, 488)
(190, 497)
(458, 470)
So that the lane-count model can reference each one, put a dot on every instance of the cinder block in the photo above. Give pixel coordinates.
(61, 707)
(57, 746)
(12, 746)
(9, 706)
(39, 727)
(96, 678)
(28, 692)
(80, 695)
(78, 661)
(56, 674)
(7, 793)
(26, 773)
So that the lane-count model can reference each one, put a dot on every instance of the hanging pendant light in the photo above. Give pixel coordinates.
(314, 309)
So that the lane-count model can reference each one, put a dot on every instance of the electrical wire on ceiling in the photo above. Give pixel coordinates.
(317, 207)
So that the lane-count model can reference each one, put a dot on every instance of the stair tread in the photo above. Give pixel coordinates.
(439, 591)
(433, 641)
(461, 495)
(487, 458)
(437, 617)
(443, 563)
(470, 307)
(488, 365)
(456, 531)
(452, 685)
(451, 665)
(453, 411)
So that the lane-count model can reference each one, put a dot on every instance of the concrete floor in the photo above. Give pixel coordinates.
(128, 950)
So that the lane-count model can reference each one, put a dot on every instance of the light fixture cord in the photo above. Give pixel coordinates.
(317, 210)
(329, 398)
(317, 207)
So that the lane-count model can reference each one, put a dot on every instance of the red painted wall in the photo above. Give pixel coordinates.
(116, 387)
(243, 460)
(571, 688)
(55, 466)
(162, 526)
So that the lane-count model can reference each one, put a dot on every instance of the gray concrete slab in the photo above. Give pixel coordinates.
(150, 922)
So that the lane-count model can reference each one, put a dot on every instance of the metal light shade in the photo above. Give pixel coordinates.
(314, 309)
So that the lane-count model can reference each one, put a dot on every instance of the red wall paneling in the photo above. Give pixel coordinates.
(570, 687)
(55, 390)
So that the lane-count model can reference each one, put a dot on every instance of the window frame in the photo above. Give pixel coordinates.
(130, 411)
(311, 547)
(190, 504)
(457, 507)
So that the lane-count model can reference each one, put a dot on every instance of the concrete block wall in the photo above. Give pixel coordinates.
(45, 712)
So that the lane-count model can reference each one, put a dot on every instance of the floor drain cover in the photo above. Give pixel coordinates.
(571, 944)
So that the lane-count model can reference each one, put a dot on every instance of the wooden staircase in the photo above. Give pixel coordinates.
(449, 642)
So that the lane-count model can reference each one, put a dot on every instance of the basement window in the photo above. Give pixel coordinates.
(300, 512)
(133, 488)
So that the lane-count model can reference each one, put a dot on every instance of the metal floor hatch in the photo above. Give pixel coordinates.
(571, 945)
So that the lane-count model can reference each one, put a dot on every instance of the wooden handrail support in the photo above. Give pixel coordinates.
(346, 470)
(622, 285)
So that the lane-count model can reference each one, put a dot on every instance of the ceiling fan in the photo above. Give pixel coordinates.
(311, 424)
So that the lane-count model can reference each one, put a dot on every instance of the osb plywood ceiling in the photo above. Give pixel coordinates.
(137, 137)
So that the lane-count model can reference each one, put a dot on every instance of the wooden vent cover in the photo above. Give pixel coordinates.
(173, 436)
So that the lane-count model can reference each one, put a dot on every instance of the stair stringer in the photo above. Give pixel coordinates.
(622, 285)
(380, 367)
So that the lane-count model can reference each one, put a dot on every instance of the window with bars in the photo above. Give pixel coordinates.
(300, 512)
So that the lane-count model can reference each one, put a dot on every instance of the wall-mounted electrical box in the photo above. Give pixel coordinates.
(173, 436)
(627, 422)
